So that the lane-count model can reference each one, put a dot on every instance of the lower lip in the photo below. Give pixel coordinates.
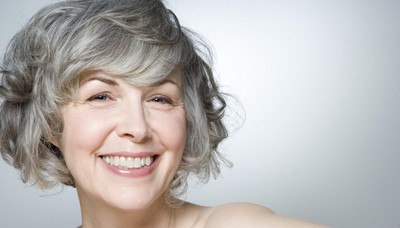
(132, 173)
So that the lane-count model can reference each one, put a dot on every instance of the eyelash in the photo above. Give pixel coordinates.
(162, 99)
(100, 97)
(106, 96)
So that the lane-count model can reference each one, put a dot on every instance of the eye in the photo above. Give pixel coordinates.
(100, 97)
(162, 100)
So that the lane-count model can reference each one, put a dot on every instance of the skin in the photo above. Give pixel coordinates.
(236, 215)
(113, 117)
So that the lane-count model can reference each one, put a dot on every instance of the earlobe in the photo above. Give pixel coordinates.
(53, 144)
(52, 140)
(55, 150)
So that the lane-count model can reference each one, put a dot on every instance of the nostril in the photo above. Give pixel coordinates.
(136, 131)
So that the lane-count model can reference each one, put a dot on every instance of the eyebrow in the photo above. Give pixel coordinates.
(112, 82)
(165, 81)
(104, 80)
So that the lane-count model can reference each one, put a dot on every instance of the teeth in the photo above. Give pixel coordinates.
(128, 162)
(148, 161)
(116, 161)
(122, 161)
(137, 163)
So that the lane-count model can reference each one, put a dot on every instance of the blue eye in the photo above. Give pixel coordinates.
(99, 97)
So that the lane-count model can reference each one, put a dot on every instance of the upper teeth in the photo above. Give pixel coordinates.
(128, 162)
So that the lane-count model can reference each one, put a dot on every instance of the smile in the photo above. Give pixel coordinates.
(128, 162)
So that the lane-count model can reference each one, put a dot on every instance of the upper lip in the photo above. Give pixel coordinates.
(129, 154)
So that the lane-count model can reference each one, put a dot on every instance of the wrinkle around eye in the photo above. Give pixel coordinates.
(100, 100)
(100, 97)
(161, 102)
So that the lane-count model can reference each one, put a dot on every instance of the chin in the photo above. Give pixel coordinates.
(134, 199)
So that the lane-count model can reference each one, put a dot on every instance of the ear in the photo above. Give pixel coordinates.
(54, 141)
(54, 145)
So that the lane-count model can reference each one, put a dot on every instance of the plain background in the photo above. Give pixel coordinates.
(319, 82)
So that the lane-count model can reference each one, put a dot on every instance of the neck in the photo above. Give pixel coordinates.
(100, 215)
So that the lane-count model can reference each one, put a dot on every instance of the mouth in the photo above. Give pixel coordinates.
(129, 162)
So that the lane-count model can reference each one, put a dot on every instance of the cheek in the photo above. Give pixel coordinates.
(82, 134)
(171, 129)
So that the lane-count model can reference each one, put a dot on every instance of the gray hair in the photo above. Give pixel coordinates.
(139, 40)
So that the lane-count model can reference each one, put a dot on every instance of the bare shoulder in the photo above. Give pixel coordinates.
(248, 215)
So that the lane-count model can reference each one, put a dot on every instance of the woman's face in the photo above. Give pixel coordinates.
(123, 143)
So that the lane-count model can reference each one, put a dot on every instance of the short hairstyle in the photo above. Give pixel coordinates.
(140, 40)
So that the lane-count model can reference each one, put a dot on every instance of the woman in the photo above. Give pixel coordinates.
(116, 99)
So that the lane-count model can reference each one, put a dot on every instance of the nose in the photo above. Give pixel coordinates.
(133, 123)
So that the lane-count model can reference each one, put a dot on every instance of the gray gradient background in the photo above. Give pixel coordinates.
(319, 81)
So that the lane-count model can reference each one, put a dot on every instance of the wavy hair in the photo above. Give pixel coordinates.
(140, 40)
